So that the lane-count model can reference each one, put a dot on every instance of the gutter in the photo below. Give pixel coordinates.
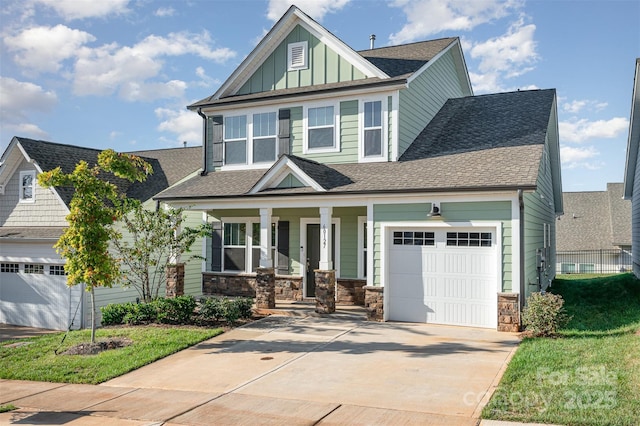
(204, 142)
(521, 248)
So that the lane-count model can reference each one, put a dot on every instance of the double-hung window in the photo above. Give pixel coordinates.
(264, 137)
(235, 139)
(321, 128)
(27, 186)
(234, 247)
(372, 128)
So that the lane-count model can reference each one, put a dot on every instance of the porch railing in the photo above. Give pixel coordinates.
(604, 261)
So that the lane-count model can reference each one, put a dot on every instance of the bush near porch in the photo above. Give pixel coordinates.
(590, 373)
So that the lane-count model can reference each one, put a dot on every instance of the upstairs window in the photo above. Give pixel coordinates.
(235, 139)
(297, 54)
(264, 137)
(321, 128)
(372, 138)
(27, 186)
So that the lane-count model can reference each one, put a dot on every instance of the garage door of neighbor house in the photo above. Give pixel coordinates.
(443, 276)
(38, 300)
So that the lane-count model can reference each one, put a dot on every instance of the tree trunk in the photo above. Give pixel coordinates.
(93, 316)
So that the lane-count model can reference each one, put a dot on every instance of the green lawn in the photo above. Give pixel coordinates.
(590, 374)
(38, 360)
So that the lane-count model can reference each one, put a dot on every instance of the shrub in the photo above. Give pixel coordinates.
(211, 310)
(544, 314)
(178, 310)
(113, 314)
(141, 313)
(221, 308)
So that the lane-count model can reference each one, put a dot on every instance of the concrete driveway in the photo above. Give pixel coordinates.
(334, 369)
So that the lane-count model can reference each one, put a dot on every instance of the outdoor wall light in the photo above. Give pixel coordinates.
(435, 210)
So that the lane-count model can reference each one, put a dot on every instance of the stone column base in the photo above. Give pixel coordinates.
(265, 288)
(175, 280)
(374, 303)
(325, 291)
(508, 312)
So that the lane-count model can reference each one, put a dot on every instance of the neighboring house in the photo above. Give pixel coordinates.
(594, 235)
(632, 170)
(33, 290)
(381, 167)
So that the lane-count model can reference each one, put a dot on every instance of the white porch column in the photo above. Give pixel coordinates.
(265, 239)
(325, 239)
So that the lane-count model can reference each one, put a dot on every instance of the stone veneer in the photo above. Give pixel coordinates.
(508, 312)
(265, 288)
(374, 303)
(175, 280)
(325, 291)
(350, 291)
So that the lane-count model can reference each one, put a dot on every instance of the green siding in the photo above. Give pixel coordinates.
(325, 66)
(424, 97)
(452, 212)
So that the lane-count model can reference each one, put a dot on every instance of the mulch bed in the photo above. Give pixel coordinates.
(97, 347)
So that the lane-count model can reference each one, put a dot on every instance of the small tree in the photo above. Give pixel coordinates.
(96, 204)
(158, 239)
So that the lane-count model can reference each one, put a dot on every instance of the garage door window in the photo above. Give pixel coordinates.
(414, 238)
(57, 270)
(12, 268)
(33, 269)
(469, 239)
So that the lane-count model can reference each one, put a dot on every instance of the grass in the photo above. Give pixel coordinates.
(37, 360)
(590, 373)
(7, 407)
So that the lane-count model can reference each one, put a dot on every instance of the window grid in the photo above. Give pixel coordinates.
(30, 268)
(414, 238)
(264, 137)
(57, 270)
(27, 185)
(372, 141)
(235, 139)
(469, 239)
(9, 267)
(321, 127)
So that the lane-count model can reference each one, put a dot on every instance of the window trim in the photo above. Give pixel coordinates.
(304, 45)
(384, 154)
(363, 252)
(336, 128)
(248, 247)
(254, 138)
(21, 199)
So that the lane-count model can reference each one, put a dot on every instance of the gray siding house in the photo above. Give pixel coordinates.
(376, 177)
(632, 170)
(33, 290)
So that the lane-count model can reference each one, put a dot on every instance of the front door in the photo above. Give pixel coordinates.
(313, 255)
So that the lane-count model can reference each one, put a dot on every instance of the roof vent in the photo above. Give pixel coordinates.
(372, 40)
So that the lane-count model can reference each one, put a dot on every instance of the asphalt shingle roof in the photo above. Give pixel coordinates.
(594, 220)
(474, 143)
(169, 165)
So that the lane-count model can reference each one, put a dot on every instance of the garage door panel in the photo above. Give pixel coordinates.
(443, 284)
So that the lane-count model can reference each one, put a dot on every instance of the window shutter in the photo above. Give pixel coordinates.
(284, 136)
(282, 265)
(216, 247)
(216, 139)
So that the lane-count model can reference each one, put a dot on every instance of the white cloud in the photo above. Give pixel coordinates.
(18, 101)
(80, 9)
(583, 129)
(317, 9)
(579, 157)
(42, 49)
(164, 12)
(186, 125)
(576, 106)
(104, 70)
(427, 17)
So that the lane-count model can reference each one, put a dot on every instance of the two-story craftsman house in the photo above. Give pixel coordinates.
(376, 175)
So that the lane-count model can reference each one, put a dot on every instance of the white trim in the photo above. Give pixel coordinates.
(280, 170)
(34, 185)
(384, 149)
(248, 253)
(370, 243)
(304, 221)
(386, 227)
(336, 128)
(362, 220)
(515, 245)
(205, 242)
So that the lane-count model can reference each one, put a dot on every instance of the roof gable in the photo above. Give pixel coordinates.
(292, 19)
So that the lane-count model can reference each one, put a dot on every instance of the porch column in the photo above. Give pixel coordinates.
(265, 239)
(325, 239)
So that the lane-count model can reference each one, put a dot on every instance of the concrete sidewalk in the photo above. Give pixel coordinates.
(325, 370)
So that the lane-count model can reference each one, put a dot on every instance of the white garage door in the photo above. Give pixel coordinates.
(443, 276)
(38, 300)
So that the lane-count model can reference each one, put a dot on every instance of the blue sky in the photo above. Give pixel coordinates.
(119, 73)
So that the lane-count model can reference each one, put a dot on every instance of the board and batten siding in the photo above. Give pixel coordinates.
(46, 210)
(324, 66)
(635, 219)
(539, 209)
(490, 211)
(424, 97)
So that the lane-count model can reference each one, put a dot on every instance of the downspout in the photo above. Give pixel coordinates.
(521, 248)
(204, 141)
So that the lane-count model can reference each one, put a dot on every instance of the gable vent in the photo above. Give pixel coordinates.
(297, 56)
